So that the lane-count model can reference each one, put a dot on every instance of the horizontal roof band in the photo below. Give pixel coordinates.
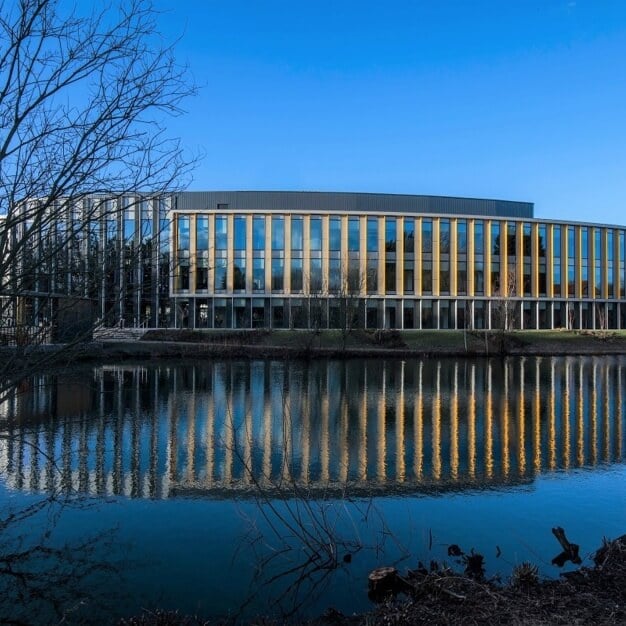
(314, 201)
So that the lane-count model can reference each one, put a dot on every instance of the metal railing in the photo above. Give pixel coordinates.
(24, 335)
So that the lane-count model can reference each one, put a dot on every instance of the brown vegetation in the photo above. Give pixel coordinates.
(589, 595)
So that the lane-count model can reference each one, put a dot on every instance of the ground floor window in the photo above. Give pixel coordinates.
(402, 313)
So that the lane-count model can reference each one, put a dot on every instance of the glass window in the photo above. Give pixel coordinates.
(202, 275)
(461, 277)
(511, 235)
(571, 270)
(296, 275)
(258, 233)
(353, 234)
(556, 269)
(495, 277)
(571, 250)
(146, 219)
(461, 230)
(495, 239)
(164, 234)
(278, 274)
(183, 232)
(390, 276)
(557, 279)
(239, 273)
(278, 233)
(584, 245)
(622, 266)
(296, 233)
(258, 274)
(556, 242)
(528, 241)
(444, 237)
(409, 275)
(353, 279)
(427, 236)
(240, 233)
(479, 277)
(221, 232)
(202, 232)
(372, 276)
(372, 234)
(335, 233)
(479, 238)
(527, 278)
(542, 240)
(334, 275)
(316, 233)
(427, 276)
(390, 234)
(129, 223)
(444, 277)
(220, 274)
(571, 278)
(183, 274)
(316, 284)
(409, 235)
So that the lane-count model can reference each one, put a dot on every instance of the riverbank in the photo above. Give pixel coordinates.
(589, 595)
(166, 343)
(301, 344)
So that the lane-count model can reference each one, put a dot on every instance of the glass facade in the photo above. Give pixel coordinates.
(233, 268)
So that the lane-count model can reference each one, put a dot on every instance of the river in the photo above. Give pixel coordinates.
(241, 487)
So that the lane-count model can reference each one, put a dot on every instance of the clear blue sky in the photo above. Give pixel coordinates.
(520, 100)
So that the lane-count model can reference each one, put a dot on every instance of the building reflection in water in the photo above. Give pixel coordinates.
(372, 425)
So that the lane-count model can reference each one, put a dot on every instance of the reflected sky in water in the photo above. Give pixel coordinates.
(475, 452)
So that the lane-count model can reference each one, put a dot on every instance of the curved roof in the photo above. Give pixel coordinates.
(314, 201)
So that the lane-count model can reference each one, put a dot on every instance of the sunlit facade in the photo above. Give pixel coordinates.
(288, 260)
(292, 259)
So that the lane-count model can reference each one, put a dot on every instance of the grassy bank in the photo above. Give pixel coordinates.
(301, 344)
(387, 343)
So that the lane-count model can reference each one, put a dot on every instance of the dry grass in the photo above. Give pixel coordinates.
(589, 595)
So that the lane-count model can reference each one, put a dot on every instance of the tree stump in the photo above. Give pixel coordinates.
(385, 581)
(382, 580)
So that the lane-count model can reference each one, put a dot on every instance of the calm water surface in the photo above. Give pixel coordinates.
(222, 487)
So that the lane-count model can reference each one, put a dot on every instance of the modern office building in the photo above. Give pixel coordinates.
(293, 259)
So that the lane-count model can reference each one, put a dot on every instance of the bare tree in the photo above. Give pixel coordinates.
(506, 306)
(84, 100)
(505, 310)
(601, 318)
(348, 301)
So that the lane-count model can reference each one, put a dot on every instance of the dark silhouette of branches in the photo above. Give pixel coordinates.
(84, 102)
(85, 95)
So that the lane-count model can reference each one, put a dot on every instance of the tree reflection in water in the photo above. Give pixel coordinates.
(45, 579)
(312, 443)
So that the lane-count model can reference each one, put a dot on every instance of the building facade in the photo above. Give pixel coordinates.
(293, 260)
(271, 259)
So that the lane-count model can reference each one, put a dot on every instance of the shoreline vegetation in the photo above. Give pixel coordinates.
(594, 594)
(303, 344)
